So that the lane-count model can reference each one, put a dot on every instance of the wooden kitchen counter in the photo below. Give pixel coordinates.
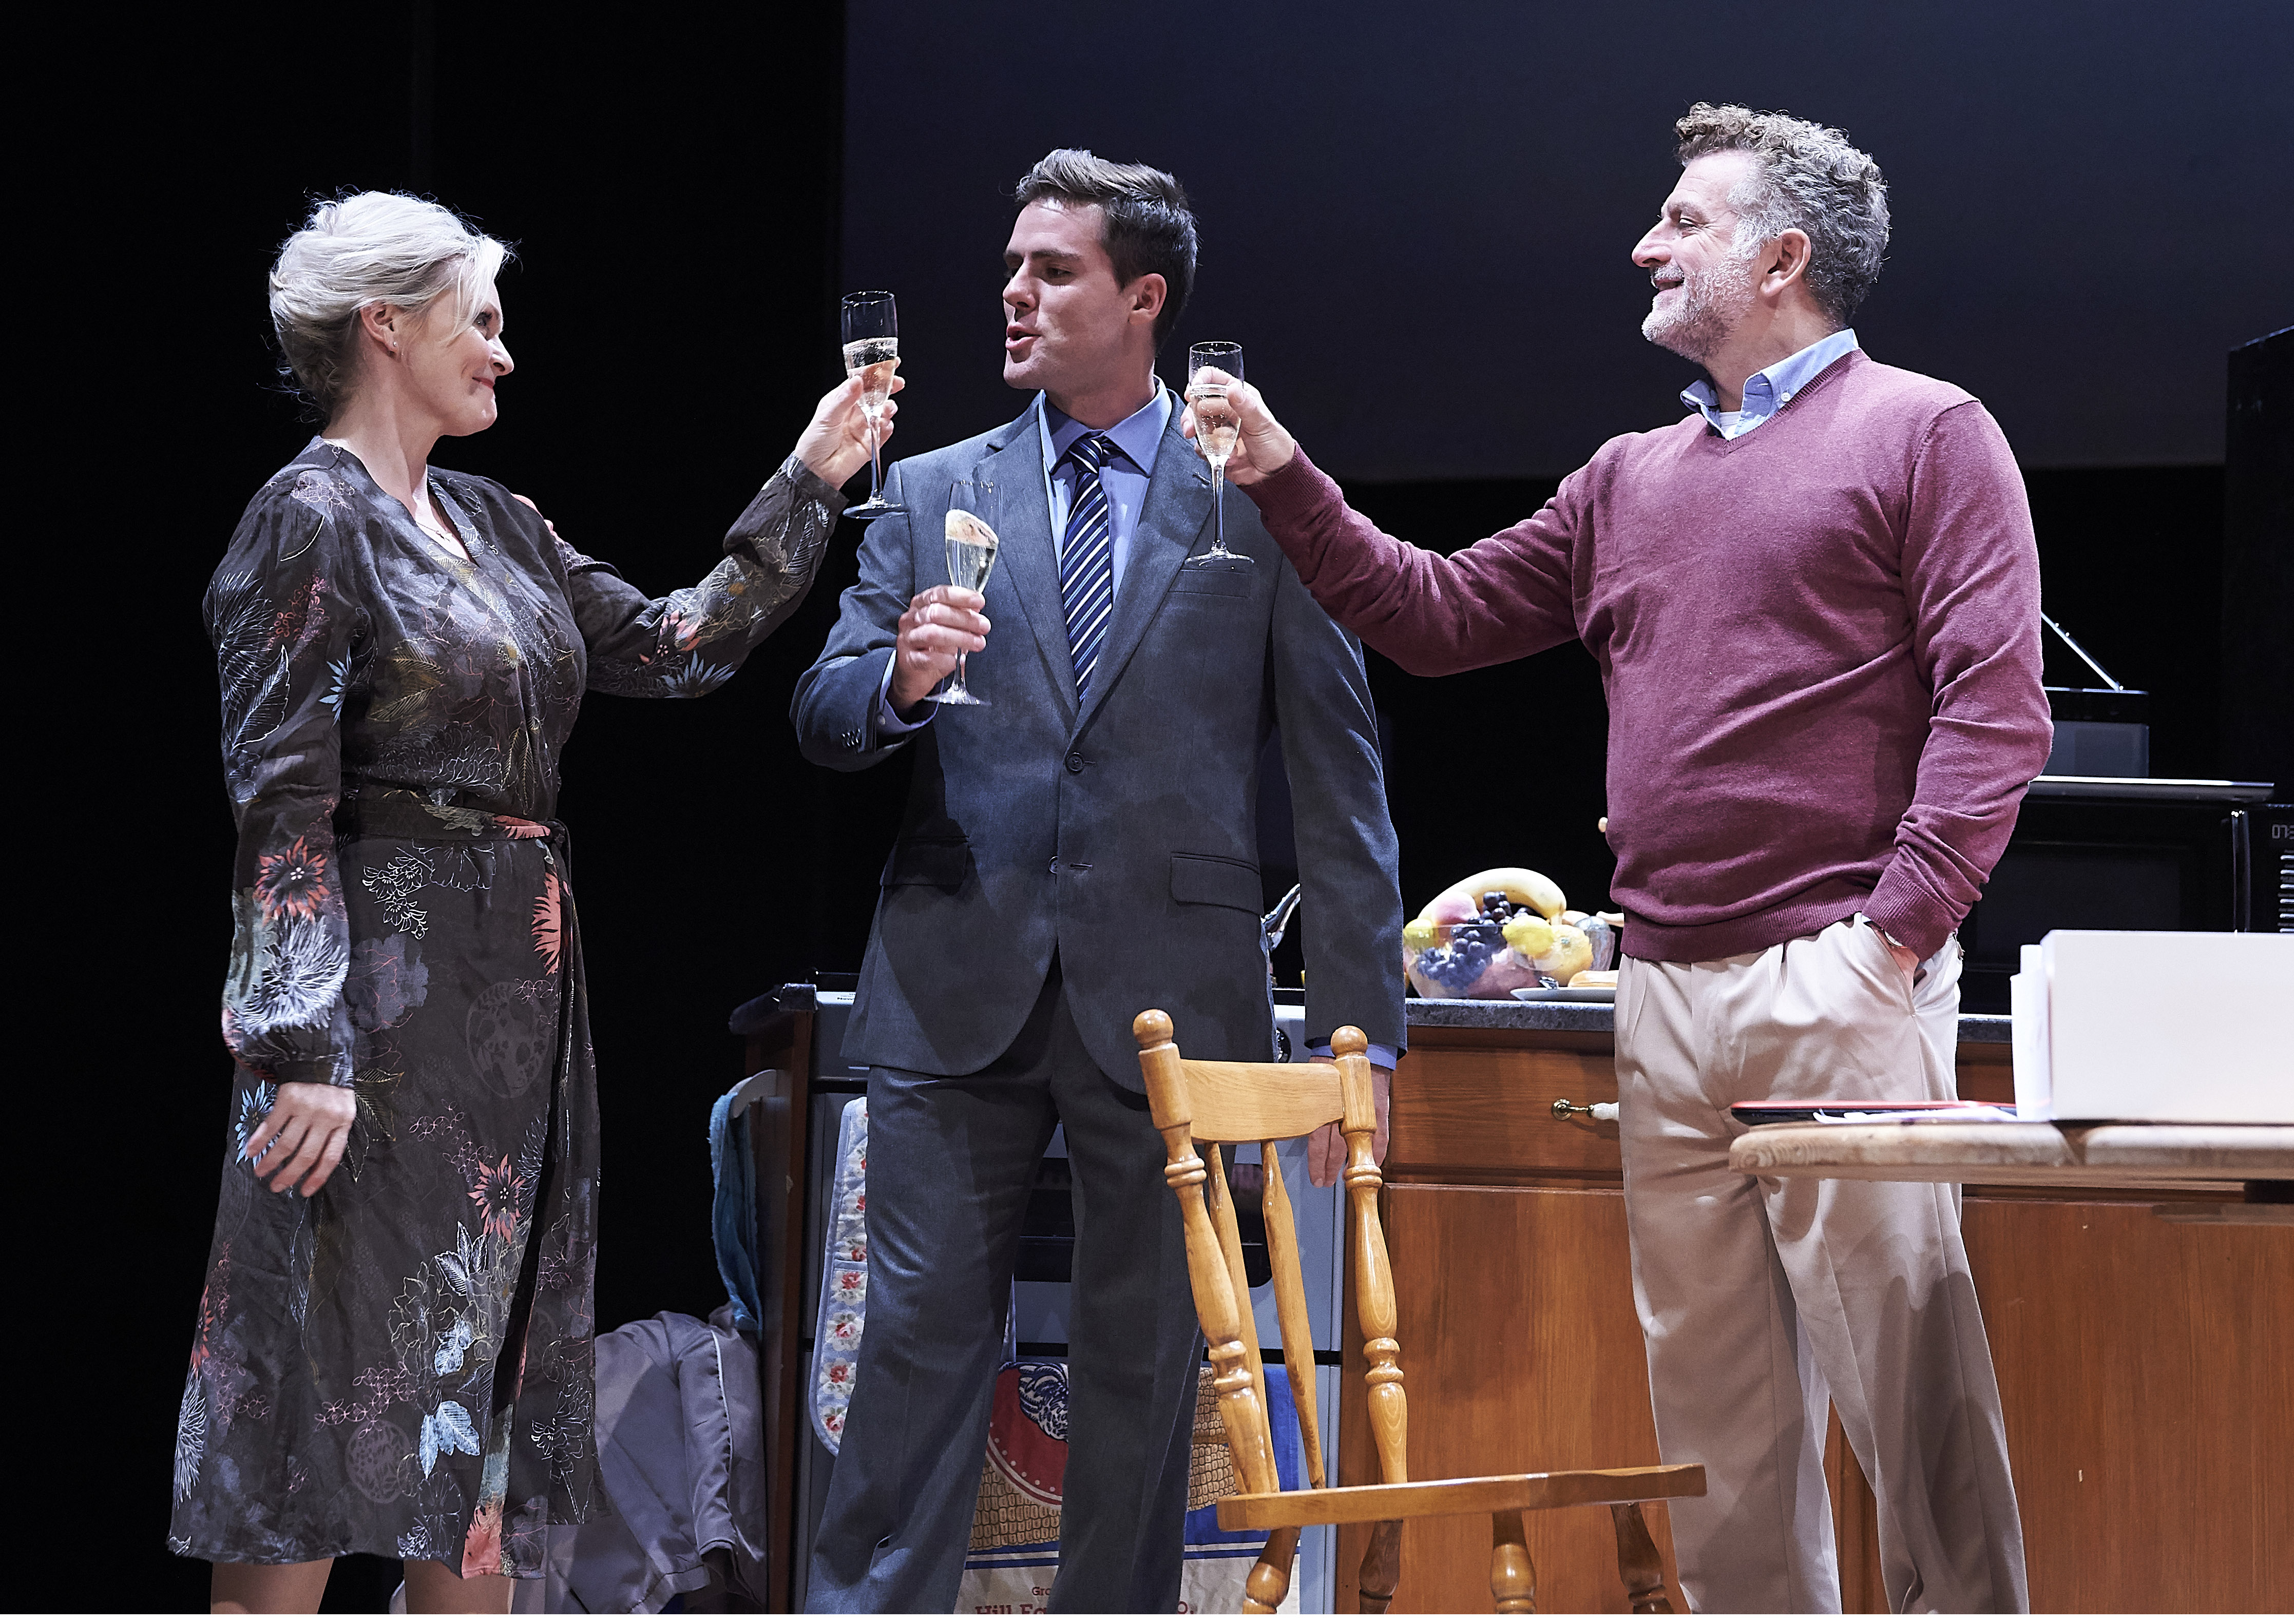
(2151, 1428)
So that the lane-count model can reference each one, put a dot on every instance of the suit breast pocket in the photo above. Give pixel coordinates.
(936, 862)
(1215, 581)
(1222, 882)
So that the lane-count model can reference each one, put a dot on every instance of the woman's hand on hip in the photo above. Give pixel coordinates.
(303, 1136)
(834, 445)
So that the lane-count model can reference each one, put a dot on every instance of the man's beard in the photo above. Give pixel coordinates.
(1710, 304)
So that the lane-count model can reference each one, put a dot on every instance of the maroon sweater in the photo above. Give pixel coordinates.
(1819, 640)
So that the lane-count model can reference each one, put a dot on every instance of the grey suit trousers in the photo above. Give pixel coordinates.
(1761, 1299)
(950, 1163)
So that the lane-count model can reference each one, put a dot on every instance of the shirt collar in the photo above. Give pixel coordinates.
(1137, 436)
(1772, 387)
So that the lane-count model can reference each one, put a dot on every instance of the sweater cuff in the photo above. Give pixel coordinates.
(1906, 910)
(1292, 492)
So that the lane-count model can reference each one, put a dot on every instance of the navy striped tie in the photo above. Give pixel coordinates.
(1087, 560)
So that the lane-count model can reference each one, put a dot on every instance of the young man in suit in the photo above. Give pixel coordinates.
(1080, 847)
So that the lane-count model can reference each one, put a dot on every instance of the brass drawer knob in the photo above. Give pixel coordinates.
(1605, 1111)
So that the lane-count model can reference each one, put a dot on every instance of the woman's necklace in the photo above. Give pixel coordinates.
(424, 511)
(432, 523)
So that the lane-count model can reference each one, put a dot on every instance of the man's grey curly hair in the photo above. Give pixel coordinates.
(1807, 177)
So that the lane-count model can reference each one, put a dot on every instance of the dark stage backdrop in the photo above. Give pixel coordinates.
(2087, 201)
(675, 191)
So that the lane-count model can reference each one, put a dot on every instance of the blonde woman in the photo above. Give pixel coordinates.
(394, 1347)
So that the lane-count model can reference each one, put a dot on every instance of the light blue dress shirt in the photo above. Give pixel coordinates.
(1123, 476)
(1771, 389)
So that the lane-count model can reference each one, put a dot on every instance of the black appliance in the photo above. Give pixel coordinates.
(2100, 853)
(2099, 732)
(2274, 869)
(2258, 654)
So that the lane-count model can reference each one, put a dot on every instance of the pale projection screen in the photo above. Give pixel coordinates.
(1417, 219)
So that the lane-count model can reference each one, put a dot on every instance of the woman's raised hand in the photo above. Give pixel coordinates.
(303, 1136)
(834, 445)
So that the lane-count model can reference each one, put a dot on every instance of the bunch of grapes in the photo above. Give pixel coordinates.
(1473, 942)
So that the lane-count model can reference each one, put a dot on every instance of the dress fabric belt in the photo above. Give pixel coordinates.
(399, 820)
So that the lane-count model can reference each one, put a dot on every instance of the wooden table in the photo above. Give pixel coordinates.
(2149, 1403)
(2197, 1159)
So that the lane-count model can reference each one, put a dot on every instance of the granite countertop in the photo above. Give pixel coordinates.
(1513, 1016)
(1510, 1014)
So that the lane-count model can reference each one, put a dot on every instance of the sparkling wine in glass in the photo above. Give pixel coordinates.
(1217, 426)
(970, 557)
(872, 353)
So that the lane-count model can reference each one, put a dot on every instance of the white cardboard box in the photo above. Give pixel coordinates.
(2027, 1028)
(2155, 1026)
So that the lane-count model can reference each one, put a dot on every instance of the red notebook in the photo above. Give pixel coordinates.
(1752, 1113)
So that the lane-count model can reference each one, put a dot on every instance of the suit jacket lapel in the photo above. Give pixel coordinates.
(1027, 552)
(1178, 506)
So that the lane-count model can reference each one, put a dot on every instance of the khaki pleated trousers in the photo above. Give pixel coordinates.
(1761, 1299)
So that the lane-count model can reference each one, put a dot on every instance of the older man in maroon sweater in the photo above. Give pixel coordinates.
(1815, 603)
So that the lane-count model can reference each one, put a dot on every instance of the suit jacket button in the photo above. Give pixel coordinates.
(1075, 760)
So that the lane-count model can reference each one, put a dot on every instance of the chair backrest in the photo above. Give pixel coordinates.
(1227, 1102)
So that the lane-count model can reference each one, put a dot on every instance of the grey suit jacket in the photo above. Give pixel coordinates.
(1121, 833)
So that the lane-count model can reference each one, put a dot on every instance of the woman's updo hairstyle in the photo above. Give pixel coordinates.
(377, 247)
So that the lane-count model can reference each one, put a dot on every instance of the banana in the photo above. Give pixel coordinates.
(1522, 885)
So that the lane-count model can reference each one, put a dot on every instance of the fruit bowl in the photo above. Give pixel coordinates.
(1500, 930)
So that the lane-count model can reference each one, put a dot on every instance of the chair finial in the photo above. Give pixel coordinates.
(1152, 1027)
(1349, 1040)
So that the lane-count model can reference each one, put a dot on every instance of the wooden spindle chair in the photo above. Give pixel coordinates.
(1223, 1102)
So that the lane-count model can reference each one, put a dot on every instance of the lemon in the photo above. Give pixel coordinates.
(1529, 936)
(1571, 955)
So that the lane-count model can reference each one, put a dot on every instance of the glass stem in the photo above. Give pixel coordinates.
(876, 464)
(1218, 509)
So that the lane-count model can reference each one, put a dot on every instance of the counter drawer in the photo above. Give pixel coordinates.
(1475, 1107)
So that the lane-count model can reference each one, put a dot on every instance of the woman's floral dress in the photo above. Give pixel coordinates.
(402, 1364)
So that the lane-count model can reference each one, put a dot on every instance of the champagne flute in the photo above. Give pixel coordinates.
(872, 353)
(1216, 426)
(971, 557)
